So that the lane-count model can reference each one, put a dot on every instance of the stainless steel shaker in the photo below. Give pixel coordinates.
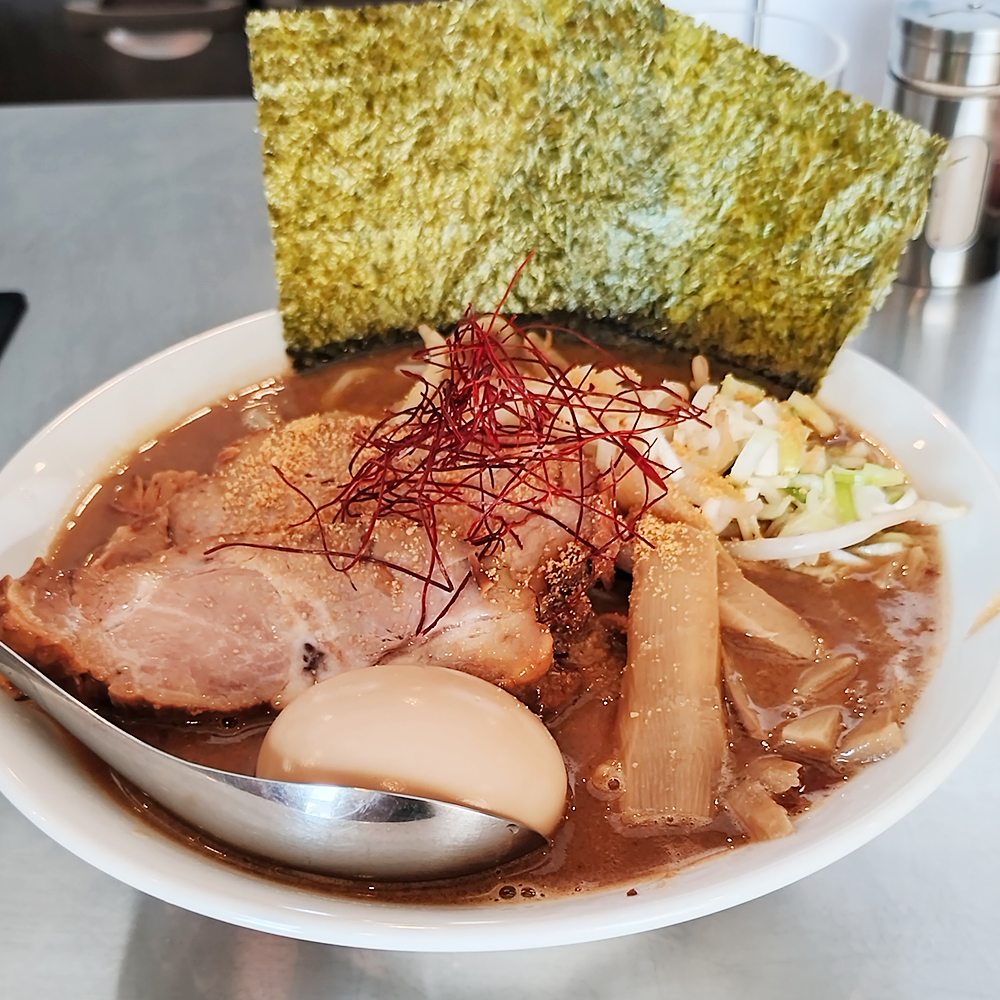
(944, 72)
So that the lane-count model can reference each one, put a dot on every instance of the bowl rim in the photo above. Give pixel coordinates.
(159, 866)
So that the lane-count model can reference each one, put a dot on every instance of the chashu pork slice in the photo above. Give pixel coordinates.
(246, 626)
(267, 485)
(162, 616)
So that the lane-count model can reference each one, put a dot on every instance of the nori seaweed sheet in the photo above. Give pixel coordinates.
(665, 176)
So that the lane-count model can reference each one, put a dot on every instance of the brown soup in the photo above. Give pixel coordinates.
(884, 617)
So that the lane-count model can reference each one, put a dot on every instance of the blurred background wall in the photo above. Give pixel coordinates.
(48, 54)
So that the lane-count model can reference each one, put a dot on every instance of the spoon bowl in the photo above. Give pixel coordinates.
(353, 833)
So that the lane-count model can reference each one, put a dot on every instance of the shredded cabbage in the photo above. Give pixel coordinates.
(776, 479)
(817, 493)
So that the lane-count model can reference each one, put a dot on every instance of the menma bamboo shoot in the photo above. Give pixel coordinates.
(671, 728)
(745, 607)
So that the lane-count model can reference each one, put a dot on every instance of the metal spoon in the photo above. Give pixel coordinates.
(349, 832)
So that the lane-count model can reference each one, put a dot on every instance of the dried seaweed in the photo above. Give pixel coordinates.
(665, 175)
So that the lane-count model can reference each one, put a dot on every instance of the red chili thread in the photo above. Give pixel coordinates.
(490, 434)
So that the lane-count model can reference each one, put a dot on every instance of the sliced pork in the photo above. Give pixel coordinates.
(165, 617)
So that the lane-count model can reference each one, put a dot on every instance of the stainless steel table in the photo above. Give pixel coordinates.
(130, 227)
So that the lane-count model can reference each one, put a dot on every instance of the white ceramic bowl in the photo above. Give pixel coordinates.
(49, 476)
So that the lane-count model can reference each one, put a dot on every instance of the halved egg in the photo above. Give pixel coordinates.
(425, 731)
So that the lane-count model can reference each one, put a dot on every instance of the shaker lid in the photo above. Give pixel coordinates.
(950, 42)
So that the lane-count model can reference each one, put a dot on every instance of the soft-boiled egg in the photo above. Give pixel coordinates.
(425, 731)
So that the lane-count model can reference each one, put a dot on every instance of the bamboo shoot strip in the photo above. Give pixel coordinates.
(744, 607)
(740, 699)
(670, 723)
(754, 809)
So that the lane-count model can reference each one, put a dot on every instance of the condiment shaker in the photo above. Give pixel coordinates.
(944, 72)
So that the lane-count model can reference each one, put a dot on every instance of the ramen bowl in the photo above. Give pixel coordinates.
(61, 791)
